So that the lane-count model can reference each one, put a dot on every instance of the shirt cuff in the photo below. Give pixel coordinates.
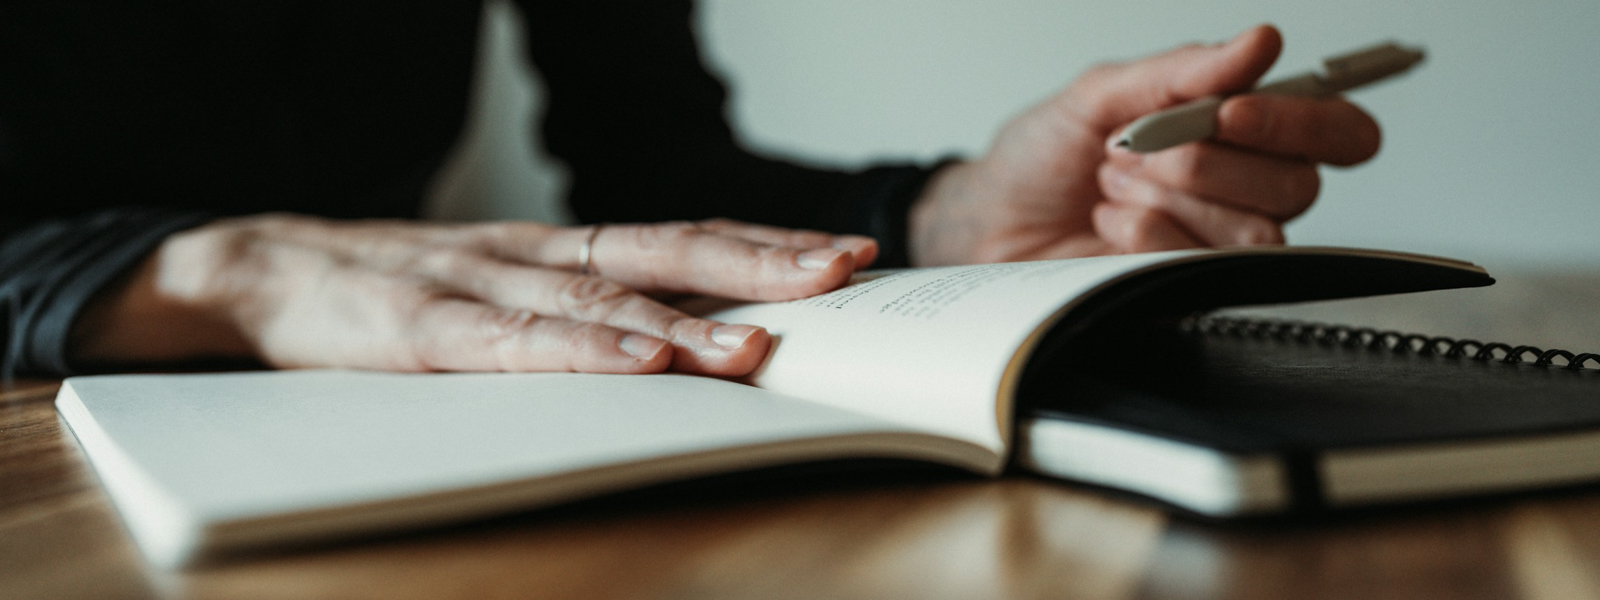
(884, 208)
(51, 270)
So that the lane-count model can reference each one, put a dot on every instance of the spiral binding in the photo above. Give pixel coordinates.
(1393, 341)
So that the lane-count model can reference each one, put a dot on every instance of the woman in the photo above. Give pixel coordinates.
(232, 181)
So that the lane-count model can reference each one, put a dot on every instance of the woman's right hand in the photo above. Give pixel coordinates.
(298, 291)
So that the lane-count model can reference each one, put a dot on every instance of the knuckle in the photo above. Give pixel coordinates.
(210, 263)
(217, 247)
(646, 315)
(493, 334)
(1249, 118)
(431, 260)
(666, 235)
(688, 327)
(1261, 121)
(502, 326)
(585, 342)
(225, 242)
(760, 272)
(592, 298)
(778, 258)
(509, 333)
(447, 259)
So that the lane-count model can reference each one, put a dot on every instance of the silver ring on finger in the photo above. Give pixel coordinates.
(586, 251)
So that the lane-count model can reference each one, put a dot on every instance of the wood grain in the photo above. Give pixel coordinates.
(915, 535)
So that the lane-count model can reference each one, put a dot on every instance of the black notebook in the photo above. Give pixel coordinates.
(1228, 417)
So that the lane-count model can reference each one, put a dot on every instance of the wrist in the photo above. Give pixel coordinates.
(937, 224)
(149, 315)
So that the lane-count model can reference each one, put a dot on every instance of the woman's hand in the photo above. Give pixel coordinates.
(1050, 188)
(304, 292)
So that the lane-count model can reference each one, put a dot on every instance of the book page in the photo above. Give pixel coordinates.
(240, 459)
(927, 347)
(939, 348)
(343, 437)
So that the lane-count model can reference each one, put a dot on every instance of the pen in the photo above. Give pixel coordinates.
(1197, 119)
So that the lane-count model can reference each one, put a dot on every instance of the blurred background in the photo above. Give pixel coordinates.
(1491, 152)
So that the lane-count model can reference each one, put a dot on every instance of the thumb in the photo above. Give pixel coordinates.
(1110, 96)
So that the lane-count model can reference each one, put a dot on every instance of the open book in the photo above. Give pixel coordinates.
(920, 364)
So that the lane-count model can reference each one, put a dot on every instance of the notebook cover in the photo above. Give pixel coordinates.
(1245, 394)
(1300, 396)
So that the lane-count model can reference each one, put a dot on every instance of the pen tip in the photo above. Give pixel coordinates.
(1123, 143)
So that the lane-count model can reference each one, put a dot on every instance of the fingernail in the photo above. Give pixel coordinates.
(733, 336)
(641, 346)
(819, 258)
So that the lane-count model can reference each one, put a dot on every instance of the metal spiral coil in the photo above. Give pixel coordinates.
(1393, 341)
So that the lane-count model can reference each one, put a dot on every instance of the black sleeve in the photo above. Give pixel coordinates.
(641, 124)
(50, 269)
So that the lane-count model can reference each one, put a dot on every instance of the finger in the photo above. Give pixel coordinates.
(533, 244)
(1326, 130)
(1275, 187)
(1131, 228)
(1211, 223)
(700, 346)
(861, 248)
(452, 334)
(540, 245)
(1112, 95)
(680, 257)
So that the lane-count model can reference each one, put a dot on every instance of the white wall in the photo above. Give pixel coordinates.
(1492, 148)
(498, 170)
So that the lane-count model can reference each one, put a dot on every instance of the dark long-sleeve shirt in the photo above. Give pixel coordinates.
(121, 123)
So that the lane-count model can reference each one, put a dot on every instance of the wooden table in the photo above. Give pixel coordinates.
(914, 536)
